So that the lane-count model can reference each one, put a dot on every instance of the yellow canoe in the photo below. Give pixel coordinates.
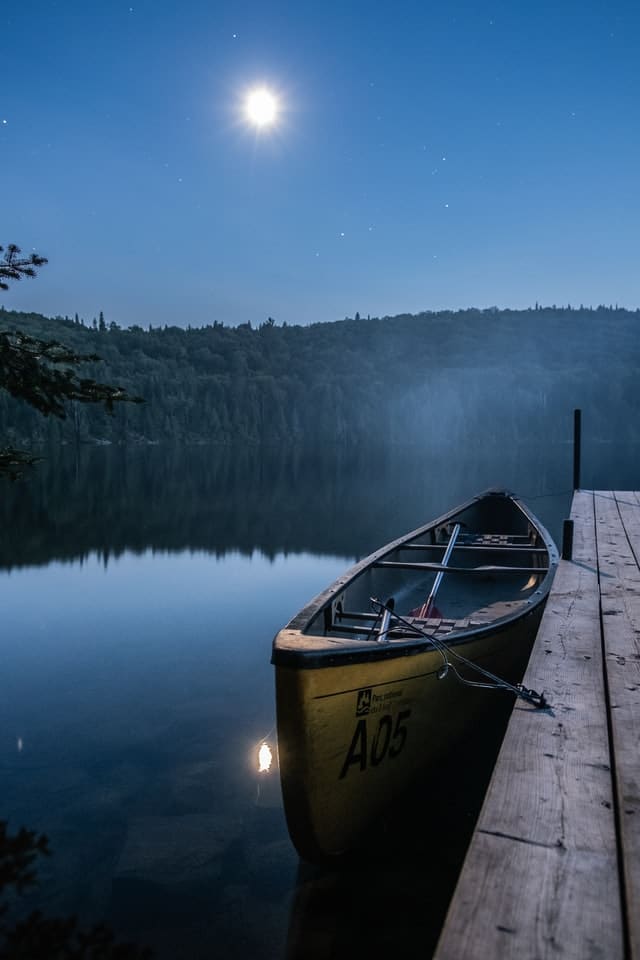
(376, 677)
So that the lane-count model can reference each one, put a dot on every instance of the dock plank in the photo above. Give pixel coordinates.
(541, 875)
(618, 525)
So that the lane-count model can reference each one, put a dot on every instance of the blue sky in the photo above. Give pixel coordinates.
(427, 156)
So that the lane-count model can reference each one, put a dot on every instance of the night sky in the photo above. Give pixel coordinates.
(425, 156)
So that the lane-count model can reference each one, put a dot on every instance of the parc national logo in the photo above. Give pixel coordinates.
(366, 699)
(363, 703)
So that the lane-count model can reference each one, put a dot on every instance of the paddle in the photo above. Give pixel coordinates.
(428, 608)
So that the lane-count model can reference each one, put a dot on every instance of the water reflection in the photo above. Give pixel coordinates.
(344, 501)
(390, 896)
(140, 695)
(141, 591)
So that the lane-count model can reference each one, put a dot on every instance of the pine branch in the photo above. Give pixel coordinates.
(38, 937)
(41, 373)
(14, 266)
(17, 855)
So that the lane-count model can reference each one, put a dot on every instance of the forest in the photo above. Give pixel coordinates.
(435, 377)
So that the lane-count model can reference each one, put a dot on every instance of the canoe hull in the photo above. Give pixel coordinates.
(351, 738)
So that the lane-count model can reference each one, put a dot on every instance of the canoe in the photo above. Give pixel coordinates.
(382, 673)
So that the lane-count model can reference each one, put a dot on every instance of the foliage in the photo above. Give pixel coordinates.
(17, 856)
(31, 370)
(41, 372)
(14, 266)
(37, 937)
(434, 377)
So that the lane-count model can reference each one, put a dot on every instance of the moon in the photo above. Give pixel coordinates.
(261, 107)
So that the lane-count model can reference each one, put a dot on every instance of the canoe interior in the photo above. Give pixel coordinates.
(501, 564)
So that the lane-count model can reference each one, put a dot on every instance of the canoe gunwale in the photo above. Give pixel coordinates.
(367, 651)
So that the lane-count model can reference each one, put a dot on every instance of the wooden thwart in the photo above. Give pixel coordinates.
(446, 568)
(542, 876)
(484, 547)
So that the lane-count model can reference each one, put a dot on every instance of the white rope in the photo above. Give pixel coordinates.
(445, 651)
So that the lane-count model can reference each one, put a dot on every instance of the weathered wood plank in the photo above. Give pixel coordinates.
(541, 878)
(618, 534)
(530, 902)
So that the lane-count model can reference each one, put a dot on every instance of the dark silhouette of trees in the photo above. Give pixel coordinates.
(440, 376)
(42, 371)
(15, 266)
(37, 937)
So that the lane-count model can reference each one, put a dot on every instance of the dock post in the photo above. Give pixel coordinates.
(567, 539)
(577, 432)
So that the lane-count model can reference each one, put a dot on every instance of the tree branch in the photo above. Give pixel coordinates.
(41, 372)
(13, 266)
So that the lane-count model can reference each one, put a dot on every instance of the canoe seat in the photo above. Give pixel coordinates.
(437, 626)
(446, 625)
(494, 611)
(495, 540)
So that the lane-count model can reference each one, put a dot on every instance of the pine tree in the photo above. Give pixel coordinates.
(41, 372)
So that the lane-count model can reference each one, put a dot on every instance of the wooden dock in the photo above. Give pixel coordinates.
(553, 867)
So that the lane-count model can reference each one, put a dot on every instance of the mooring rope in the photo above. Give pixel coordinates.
(445, 651)
(540, 496)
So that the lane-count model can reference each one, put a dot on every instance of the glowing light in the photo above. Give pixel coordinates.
(261, 107)
(265, 758)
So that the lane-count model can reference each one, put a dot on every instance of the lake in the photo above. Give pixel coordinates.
(141, 590)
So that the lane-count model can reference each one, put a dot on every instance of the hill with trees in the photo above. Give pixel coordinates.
(434, 377)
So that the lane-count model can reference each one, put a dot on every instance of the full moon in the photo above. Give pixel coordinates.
(261, 107)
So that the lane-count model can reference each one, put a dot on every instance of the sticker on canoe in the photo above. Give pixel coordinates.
(369, 702)
(363, 703)
(370, 744)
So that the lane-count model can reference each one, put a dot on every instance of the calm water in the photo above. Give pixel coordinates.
(140, 595)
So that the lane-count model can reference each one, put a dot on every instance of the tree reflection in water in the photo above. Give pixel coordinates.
(130, 727)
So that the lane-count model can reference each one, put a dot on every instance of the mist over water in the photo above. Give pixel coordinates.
(141, 590)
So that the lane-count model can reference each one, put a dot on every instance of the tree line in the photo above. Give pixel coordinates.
(437, 377)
